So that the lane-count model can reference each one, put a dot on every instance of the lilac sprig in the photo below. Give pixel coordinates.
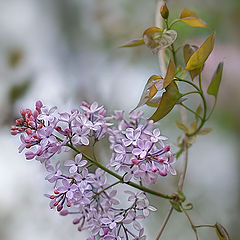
(138, 150)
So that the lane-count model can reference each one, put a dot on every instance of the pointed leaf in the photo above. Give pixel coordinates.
(153, 85)
(156, 38)
(204, 131)
(154, 102)
(188, 51)
(181, 196)
(189, 206)
(170, 74)
(216, 80)
(191, 18)
(134, 43)
(169, 99)
(200, 56)
(176, 206)
(192, 128)
(182, 126)
(199, 112)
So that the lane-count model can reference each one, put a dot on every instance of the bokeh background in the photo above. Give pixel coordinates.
(64, 52)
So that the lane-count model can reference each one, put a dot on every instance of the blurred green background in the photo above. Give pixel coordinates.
(64, 52)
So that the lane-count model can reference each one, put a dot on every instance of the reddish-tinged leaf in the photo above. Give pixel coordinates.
(191, 18)
(170, 74)
(134, 43)
(168, 101)
(199, 57)
(153, 85)
(188, 51)
(156, 38)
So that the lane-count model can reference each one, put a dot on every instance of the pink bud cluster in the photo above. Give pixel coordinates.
(138, 151)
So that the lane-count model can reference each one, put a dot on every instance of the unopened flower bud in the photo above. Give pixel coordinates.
(29, 155)
(164, 11)
(64, 212)
(59, 207)
(166, 148)
(76, 220)
(56, 191)
(135, 161)
(162, 172)
(39, 104)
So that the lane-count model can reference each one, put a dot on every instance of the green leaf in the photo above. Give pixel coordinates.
(199, 57)
(221, 232)
(189, 206)
(134, 43)
(176, 206)
(204, 131)
(192, 19)
(188, 51)
(199, 112)
(154, 102)
(170, 74)
(181, 196)
(169, 99)
(216, 80)
(182, 126)
(153, 85)
(193, 127)
(156, 38)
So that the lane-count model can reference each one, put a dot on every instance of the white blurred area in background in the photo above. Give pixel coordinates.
(70, 62)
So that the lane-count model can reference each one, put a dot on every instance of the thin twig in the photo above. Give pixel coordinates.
(159, 24)
(192, 224)
(165, 222)
(185, 163)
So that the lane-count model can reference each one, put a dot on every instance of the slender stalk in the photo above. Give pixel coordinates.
(188, 93)
(190, 110)
(107, 188)
(214, 105)
(165, 221)
(173, 22)
(188, 82)
(191, 222)
(144, 189)
(174, 55)
(205, 226)
(185, 163)
(159, 24)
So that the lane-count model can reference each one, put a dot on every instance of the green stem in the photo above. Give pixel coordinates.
(174, 54)
(191, 222)
(107, 188)
(185, 94)
(206, 226)
(144, 189)
(190, 110)
(173, 22)
(188, 82)
(165, 221)
(214, 105)
(200, 79)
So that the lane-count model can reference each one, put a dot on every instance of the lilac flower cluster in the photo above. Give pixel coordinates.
(47, 134)
(139, 150)
(83, 190)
